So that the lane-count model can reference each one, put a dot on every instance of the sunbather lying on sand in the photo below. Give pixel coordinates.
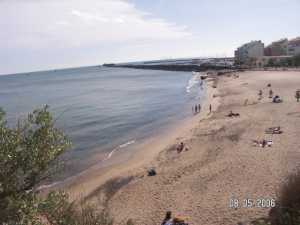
(231, 114)
(262, 143)
(180, 147)
(273, 130)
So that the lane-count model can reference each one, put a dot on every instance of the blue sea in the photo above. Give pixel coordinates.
(102, 109)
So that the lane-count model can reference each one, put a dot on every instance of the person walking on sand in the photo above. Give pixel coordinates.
(199, 107)
(196, 108)
(210, 108)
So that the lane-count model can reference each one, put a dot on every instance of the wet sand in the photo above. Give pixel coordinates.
(221, 163)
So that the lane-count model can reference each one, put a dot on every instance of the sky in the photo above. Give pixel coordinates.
(50, 34)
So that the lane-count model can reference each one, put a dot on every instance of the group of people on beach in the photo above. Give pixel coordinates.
(196, 109)
(182, 147)
(276, 98)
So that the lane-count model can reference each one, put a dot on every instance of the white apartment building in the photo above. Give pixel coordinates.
(294, 47)
(249, 52)
(277, 48)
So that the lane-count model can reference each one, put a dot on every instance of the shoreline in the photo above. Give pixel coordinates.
(139, 127)
(221, 163)
(136, 160)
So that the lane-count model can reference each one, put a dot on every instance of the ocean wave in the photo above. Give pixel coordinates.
(195, 80)
(127, 143)
(118, 148)
(111, 153)
(46, 186)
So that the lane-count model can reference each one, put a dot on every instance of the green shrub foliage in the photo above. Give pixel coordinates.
(28, 153)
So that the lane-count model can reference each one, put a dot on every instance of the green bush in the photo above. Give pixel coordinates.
(28, 155)
(57, 210)
(287, 210)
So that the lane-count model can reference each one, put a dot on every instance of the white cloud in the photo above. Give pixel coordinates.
(89, 17)
(39, 24)
(63, 23)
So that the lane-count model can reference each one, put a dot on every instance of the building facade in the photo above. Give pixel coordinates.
(294, 47)
(277, 48)
(272, 61)
(249, 52)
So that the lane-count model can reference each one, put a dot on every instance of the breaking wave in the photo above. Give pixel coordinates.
(195, 80)
(118, 148)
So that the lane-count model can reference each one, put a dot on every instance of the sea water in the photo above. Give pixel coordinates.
(102, 109)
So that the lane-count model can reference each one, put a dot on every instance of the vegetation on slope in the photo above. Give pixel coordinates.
(29, 154)
(287, 210)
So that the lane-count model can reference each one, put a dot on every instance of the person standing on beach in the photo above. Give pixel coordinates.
(260, 93)
(168, 218)
(196, 108)
(199, 107)
(297, 96)
(210, 108)
(271, 93)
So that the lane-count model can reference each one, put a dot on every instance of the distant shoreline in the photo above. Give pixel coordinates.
(174, 67)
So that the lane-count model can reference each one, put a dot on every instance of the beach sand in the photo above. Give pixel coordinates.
(221, 163)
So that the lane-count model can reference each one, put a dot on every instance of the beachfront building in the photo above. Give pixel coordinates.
(294, 47)
(249, 52)
(277, 48)
(272, 61)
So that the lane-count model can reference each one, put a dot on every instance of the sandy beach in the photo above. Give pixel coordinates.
(221, 162)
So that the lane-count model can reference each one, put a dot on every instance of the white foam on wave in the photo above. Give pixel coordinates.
(47, 186)
(195, 80)
(111, 153)
(118, 148)
(127, 143)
